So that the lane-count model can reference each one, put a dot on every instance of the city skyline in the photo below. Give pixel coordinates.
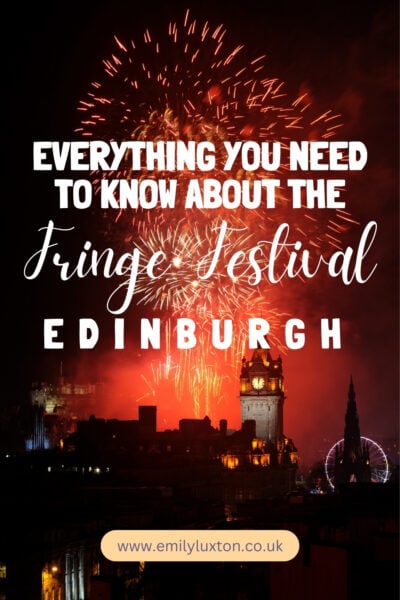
(75, 402)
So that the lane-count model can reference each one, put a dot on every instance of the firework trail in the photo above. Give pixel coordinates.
(189, 85)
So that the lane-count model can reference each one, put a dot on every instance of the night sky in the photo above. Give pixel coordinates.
(345, 55)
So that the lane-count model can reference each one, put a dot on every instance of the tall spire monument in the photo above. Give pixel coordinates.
(352, 461)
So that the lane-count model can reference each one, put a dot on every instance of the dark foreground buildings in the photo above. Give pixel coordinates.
(56, 505)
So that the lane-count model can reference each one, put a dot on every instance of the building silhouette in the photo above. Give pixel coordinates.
(262, 461)
(113, 474)
(352, 461)
(56, 410)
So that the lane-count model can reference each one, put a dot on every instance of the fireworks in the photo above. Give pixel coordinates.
(183, 288)
(190, 86)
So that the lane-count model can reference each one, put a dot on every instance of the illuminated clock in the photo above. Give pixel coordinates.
(258, 382)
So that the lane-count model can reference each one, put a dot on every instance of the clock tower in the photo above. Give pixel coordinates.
(262, 395)
(260, 461)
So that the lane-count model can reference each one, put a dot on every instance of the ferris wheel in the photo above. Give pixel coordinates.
(378, 462)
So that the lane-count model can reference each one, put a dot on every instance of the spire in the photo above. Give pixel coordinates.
(352, 461)
(352, 393)
(351, 417)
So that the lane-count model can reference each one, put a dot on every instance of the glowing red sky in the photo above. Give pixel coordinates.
(346, 58)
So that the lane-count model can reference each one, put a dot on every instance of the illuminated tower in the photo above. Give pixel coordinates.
(262, 396)
(260, 461)
(352, 461)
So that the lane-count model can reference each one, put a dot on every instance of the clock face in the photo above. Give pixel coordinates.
(258, 382)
